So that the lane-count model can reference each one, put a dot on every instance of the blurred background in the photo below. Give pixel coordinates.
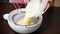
(57, 2)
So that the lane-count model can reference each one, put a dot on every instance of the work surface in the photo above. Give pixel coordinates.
(50, 23)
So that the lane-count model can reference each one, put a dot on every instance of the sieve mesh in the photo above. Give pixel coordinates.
(18, 16)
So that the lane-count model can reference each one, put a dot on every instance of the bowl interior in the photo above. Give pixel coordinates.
(18, 15)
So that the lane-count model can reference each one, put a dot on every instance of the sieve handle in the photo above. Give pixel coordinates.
(5, 16)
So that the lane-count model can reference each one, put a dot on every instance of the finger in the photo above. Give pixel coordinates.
(26, 1)
(43, 4)
(40, 1)
(50, 0)
(46, 7)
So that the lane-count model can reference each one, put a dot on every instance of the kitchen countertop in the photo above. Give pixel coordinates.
(50, 23)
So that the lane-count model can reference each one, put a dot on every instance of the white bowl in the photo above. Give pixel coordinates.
(21, 29)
